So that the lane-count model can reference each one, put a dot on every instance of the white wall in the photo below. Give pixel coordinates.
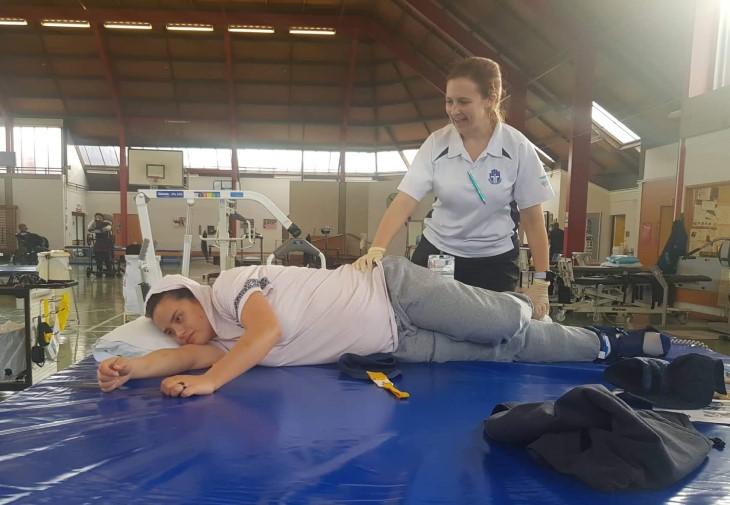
(607, 203)
(314, 205)
(661, 162)
(378, 193)
(75, 196)
(40, 206)
(626, 202)
(707, 158)
(599, 200)
(559, 181)
(75, 173)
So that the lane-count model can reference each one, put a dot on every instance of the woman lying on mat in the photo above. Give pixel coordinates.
(279, 316)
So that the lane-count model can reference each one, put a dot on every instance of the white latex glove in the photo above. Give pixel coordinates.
(538, 293)
(366, 262)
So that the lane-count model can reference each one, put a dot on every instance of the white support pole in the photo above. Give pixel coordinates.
(154, 273)
(187, 244)
(223, 234)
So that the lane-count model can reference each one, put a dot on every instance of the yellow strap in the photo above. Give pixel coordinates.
(396, 392)
(381, 380)
(63, 311)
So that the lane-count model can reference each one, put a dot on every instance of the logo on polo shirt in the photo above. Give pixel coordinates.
(495, 177)
(544, 180)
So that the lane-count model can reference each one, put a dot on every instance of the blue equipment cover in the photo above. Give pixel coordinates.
(302, 435)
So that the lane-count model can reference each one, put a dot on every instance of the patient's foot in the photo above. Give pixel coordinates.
(617, 343)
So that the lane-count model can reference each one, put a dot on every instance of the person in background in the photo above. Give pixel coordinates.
(22, 229)
(482, 172)
(101, 227)
(556, 237)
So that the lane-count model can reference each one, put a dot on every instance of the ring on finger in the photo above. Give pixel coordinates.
(184, 387)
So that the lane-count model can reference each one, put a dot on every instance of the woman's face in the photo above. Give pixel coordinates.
(184, 320)
(466, 107)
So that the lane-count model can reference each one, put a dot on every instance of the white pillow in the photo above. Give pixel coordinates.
(132, 340)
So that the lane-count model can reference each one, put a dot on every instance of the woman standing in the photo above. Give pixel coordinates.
(482, 172)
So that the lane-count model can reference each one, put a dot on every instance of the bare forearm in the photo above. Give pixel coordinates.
(536, 237)
(247, 353)
(165, 362)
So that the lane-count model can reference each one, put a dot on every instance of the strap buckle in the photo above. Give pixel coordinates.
(381, 380)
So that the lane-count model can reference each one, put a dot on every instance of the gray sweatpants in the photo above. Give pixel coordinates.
(440, 319)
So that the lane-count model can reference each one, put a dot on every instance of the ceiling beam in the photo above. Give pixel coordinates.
(182, 80)
(224, 121)
(457, 34)
(221, 20)
(108, 71)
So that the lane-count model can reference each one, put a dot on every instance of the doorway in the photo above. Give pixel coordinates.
(134, 234)
(618, 232)
(666, 218)
(593, 235)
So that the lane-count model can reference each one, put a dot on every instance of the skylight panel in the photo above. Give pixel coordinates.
(615, 128)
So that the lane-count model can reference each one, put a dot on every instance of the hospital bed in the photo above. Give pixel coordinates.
(620, 291)
(302, 435)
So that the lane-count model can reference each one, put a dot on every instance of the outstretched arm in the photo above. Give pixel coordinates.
(394, 218)
(115, 372)
(262, 334)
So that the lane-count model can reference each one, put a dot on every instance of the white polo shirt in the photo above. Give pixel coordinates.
(508, 170)
(323, 313)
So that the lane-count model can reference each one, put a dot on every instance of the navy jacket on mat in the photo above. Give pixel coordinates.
(594, 435)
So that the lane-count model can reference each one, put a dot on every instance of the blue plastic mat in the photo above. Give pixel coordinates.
(301, 435)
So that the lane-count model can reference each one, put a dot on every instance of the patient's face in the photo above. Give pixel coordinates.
(184, 320)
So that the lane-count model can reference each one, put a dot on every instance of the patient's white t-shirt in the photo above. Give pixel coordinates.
(323, 313)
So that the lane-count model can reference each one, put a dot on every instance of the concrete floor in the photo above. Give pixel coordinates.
(101, 308)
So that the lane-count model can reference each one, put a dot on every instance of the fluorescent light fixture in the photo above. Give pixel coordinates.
(312, 30)
(127, 25)
(65, 23)
(176, 121)
(543, 154)
(189, 27)
(13, 22)
(250, 29)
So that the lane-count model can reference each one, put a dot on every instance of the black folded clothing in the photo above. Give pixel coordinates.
(357, 366)
(688, 382)
(595, 436)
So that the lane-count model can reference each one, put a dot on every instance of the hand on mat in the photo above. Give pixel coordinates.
(113, 373)
(183, 386)
(366, 262)
(538, 293)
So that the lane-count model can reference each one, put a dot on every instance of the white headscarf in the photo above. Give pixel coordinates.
(204, 294)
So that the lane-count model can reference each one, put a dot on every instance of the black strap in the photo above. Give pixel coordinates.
(357, 366)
